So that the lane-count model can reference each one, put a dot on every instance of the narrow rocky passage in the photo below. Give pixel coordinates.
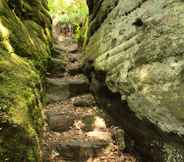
(134, 57)
(75, 128)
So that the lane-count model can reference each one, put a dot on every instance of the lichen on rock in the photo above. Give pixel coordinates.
(139, 46)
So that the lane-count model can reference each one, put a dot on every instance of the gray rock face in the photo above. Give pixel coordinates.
(139, 45)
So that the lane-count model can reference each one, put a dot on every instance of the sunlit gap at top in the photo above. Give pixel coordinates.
(68, 2)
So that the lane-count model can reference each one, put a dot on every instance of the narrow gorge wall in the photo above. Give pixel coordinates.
(24, 50)
(135, 61)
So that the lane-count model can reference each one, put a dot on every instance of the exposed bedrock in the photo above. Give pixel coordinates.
(135, 61)
(25, 42)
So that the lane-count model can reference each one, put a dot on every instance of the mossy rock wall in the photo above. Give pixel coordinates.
(25, 41)
(139, 46)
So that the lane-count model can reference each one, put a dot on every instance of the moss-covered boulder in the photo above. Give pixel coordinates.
(25, 42)
(139, 46)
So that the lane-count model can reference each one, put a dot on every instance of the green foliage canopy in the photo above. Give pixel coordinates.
(69, 11)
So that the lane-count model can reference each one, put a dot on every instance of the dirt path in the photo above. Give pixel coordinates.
(75, 129)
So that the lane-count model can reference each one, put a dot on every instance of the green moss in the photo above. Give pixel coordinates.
(24, 53)
(20, 104)
(172, 152)
(88, 121)
(17, 145)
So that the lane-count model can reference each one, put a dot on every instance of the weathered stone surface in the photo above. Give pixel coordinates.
(24, 44)
(74, 69)
(56, 67)
(139, 46)
(99, 11)
(59, 89)
(79, 149)
(60, 121)
(73, 47)
(84, 101)
(118, 135)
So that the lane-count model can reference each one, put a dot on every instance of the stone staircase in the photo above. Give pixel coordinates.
(75, 129)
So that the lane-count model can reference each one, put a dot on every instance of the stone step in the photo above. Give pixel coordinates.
(73, 48)
(80, 149)
(60, 121)
(59, 89)
(56, 67)
(70, 48)
(86, 100)
(78, 146)
(59, 48)
(78, 137)
(74, 57)
(57, 51)
(74, 69)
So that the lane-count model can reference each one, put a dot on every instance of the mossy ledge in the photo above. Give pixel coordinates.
(25, 41)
